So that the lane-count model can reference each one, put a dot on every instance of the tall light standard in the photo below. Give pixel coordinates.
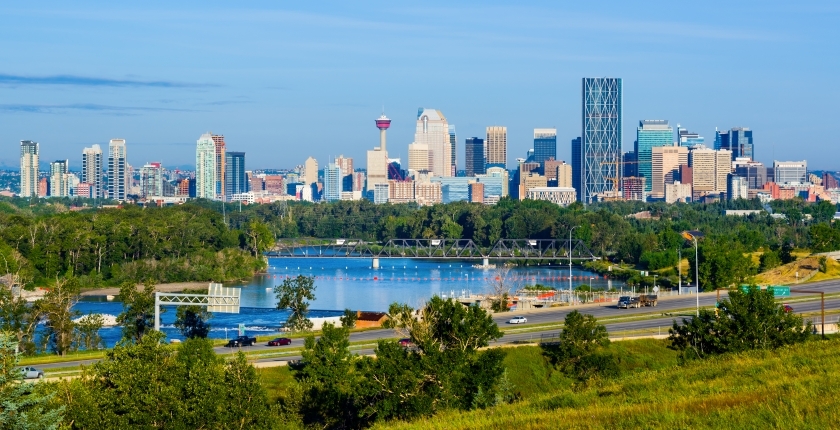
(692, 236)
(570, 263)
(679, 268)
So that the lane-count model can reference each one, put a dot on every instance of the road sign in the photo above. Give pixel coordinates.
(779, 291)
(242, 329)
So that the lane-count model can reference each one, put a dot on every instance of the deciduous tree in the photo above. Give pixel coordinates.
(293, 294)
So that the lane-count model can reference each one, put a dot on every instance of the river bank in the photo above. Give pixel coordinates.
(174, 287)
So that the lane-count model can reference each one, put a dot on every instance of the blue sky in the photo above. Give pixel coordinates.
(283, 81)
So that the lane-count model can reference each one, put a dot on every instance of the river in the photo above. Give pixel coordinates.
(354, 284)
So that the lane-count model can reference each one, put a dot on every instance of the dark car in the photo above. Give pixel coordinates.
(406, 343)
(280, 341)
(241, 341)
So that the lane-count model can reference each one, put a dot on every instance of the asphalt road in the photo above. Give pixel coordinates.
(554, 315)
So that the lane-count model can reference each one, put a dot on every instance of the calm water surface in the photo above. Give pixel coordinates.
(354, 284)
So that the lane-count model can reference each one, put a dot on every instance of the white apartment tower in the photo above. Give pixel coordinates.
(205, 167)
(28, 168)
(117, 170)
(433, 130)
(92, 170)
(59, 180)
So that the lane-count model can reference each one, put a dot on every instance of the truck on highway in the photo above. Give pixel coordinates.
(626, 302)
(648, 299)
(241, 341)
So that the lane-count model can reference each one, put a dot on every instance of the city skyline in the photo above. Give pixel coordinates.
(158, 94)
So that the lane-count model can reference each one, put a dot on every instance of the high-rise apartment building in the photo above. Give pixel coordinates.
(236, 180)
(219, 153)
(345, 163)
(453, 150)
(665, 167)
(559, 171)
(829, 182)
(790, 172)
(474, 156)
(495, 147)
(117, 170)
(59, 185)
(736, 188)
(651, 134)
(738, 140)
(151, 180)
(433, 130)
(310, 171)
(601, 138)
(29, 159)
(92, 170)
(332, 183)
(205, 167)
(545, 144)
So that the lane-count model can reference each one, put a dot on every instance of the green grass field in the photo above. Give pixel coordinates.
(792, 388)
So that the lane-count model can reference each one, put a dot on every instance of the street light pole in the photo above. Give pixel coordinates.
(679, 268)
(696, 275)
(571, 301)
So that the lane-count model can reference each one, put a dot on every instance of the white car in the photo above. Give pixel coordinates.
(32, 373)
(518, 320)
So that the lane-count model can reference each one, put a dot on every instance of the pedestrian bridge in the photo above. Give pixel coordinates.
(441, 249)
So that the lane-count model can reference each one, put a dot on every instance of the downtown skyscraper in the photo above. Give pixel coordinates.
(601, 136)
(474, 156)
(651, 133)
(495, 147)
(117, 170)
(433, 130)
(29, 159)
(545, 144)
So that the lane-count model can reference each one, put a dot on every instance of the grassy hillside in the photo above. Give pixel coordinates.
(807, 268)
(789, 388)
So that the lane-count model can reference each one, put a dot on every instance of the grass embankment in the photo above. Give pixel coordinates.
(807, 269)
(789, 388)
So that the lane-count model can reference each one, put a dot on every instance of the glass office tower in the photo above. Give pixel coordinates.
(601, 138)
(651, 134)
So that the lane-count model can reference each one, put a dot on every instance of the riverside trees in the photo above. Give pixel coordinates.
(110, 246)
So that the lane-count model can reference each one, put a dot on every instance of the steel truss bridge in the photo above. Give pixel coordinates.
(461, 249)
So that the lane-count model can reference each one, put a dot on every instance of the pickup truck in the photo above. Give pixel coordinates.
(241, 341)
(648, 299)
(626, 302)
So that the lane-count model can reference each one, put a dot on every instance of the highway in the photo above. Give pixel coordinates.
(651, 318)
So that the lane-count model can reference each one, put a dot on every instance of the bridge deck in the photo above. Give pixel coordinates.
(461, 249)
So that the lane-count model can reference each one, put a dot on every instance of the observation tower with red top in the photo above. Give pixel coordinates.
(382, 123)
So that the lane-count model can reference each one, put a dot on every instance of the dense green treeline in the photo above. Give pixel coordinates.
(607, 228)
(110, 246)
(196, 241)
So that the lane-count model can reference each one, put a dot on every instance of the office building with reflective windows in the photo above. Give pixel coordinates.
(651, 134)
(545, 144)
